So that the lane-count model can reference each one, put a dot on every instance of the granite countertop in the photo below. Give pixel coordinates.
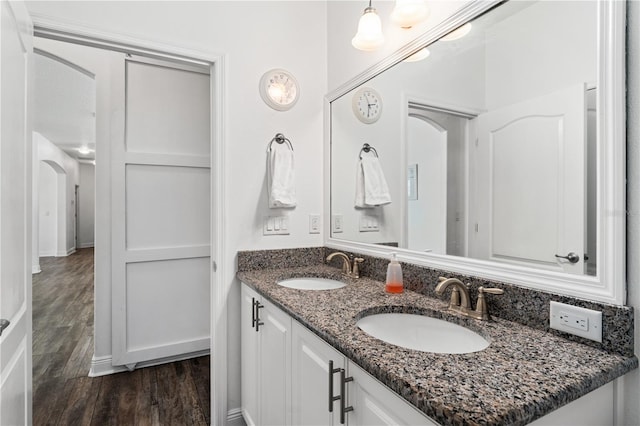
(524, 373)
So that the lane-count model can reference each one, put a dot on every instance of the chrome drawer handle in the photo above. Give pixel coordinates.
(332, 398)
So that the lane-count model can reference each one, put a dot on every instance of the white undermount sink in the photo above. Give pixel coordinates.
(312, 283)
(422, 333)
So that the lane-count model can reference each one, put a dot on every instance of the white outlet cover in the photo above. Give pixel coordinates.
(576, 320)
(314, 223)
(336, 223)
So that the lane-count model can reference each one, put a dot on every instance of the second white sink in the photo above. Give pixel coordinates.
(312, 283)
(422, 333)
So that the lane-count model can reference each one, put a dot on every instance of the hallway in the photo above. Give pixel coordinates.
(63, 394)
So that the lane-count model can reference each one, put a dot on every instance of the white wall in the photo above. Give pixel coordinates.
(44, 150)
(631, 383)
(48, 210)
(86, 205)
(253, 37)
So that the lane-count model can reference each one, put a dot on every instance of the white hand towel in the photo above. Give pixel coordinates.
(281, 182)
(371, 185)
(359, 203)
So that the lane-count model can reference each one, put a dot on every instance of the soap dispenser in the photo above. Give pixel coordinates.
(394, 276)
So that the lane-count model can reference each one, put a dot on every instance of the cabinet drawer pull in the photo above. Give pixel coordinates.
(343, 395)
(253, 312)
(332, 398)
(258, 322)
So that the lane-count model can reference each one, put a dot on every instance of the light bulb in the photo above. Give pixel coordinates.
(458, 33)
(408, 13)
(369, 36)
(418, 56)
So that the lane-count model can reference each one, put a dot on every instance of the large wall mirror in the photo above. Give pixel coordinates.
(502, 148)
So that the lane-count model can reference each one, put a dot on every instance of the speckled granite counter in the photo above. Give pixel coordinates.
(524, 374)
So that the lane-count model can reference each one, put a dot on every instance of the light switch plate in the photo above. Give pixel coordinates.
(576, 320)
(369, 223)
(276, 225)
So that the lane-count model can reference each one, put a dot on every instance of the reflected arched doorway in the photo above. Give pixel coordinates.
(427, 184)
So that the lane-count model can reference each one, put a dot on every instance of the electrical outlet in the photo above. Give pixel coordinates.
(575, 320)
(336, 223)
(276, 225)
(314, 223)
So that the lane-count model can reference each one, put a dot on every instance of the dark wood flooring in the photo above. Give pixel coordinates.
(171, 394)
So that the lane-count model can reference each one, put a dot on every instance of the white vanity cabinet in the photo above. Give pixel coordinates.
(311, 361)
(266, 361)
(368, 402)
(375, 404)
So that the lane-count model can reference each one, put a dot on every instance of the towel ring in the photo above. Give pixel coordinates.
(279, 138)
(368, 148)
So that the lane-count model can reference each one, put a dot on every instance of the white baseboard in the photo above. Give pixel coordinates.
(35, 269)
(70, 251)
(86, 245)
(103, 366)
(234, 417)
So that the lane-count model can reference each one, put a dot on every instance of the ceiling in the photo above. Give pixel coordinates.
(65, 104)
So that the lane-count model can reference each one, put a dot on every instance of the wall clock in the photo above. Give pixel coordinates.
(279, 89)
(367, 105)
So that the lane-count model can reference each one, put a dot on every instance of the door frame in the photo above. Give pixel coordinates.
(222, 270)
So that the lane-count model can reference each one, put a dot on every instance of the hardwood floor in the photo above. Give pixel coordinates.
(171, 394)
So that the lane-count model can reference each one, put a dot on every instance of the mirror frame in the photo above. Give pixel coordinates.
(608, 285)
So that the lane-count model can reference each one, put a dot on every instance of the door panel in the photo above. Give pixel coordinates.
(150, 190)
(15, 207)
(153, 127)
(161, 213)
(159, 294)
(275, 366)
(310, 379)
(530, 201)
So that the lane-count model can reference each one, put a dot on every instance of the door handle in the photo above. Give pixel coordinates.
(3, 324)
(571, 257)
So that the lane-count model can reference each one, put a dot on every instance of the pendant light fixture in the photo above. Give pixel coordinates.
(408, 13)
(369, 36)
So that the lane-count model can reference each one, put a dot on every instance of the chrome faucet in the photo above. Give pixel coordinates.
(349, 268)
(461, 301)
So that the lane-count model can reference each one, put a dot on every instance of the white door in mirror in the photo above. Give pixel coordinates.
(367, 105)
(279, 89)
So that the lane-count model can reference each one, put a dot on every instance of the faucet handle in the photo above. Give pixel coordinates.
(482, 310)
(356, 268)
(490, 290)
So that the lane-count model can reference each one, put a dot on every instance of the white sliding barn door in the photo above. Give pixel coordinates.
(15, 201)
(530, 175)
(161, 218)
